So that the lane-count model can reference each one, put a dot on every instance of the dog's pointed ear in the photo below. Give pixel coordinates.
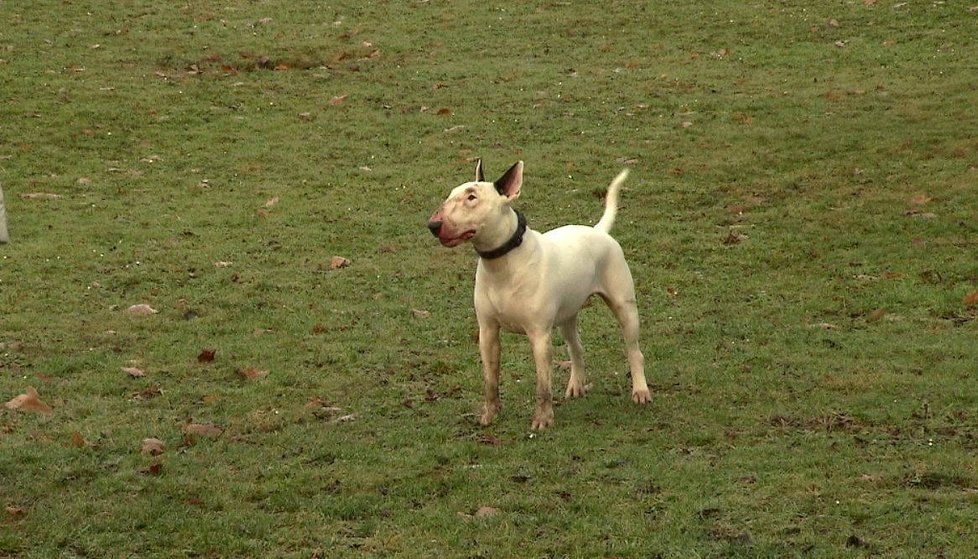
(479, 175)
(511, 182)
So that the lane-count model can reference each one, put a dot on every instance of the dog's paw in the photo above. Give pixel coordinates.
(489, 412)
(576, 390)
(641, 397)
(542, 420)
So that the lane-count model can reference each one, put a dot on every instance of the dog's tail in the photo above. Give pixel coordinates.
(611, 203)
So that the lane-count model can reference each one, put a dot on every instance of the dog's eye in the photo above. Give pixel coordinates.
(471, 198)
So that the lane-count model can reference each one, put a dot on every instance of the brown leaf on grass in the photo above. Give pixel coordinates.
(153, 447)
(421, 313)
(142, 309)
(318, 328)
(314, 402)
(134, 372)
(155, 469)
(78, 441)
(148, 393)
(271, 202)
(338, 100)
(486, 512)
(919, 214)
(444, 111)
(920, 199)
(971, 299)
(207, 355)
(490, 440)
(40, 196)
(252, 373)
(14, 511)
(208, 430)
(733, 238)
(338, 262)
(29, 401)
(876, 315)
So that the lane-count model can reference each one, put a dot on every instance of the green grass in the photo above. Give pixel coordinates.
(800, 221)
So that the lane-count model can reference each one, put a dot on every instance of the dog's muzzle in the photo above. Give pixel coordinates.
(434, 227)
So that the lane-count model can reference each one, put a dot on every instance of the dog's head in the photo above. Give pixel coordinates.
(476, 210)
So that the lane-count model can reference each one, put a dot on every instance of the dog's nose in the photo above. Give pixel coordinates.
(434, 227)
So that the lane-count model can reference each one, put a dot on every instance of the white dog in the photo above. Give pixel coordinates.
(531, 282)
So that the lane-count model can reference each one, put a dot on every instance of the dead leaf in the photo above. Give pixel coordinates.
(153, 447)
(318, 328)
(29, 401)
(920, 199)
(491, 440)
(252, 373)
(141, 309)
(148, 393)
(421, 313)
(134, 372)
(78, 441)
(733, 238)
(338, 100)
(154, 469)
(971, 299)
(444, 111)
(14, 511)
(281, 68)
(222, 264)
(271, 202)
(40, 196)
(876, 315)
(208, 430)
(919, 214)
(486, 512)
(207, 355)
(338, 262)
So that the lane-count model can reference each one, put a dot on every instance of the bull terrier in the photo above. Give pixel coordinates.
(530, 282)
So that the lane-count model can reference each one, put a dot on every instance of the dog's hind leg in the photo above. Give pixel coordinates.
(627, 314)
(577, 384)
(621, 300)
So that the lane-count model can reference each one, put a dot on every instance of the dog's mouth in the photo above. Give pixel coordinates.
(455, 241)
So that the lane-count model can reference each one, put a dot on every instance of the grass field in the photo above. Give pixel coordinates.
(801, 220)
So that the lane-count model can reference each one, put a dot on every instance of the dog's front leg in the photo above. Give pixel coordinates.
(489, 350)
(543, 415)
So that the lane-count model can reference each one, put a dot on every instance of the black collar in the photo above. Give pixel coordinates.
(513, 242)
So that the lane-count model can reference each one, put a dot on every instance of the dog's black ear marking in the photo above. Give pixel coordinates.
(509, 184)
(479, 175)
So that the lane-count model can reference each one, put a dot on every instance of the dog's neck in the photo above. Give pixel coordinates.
(515, 240)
